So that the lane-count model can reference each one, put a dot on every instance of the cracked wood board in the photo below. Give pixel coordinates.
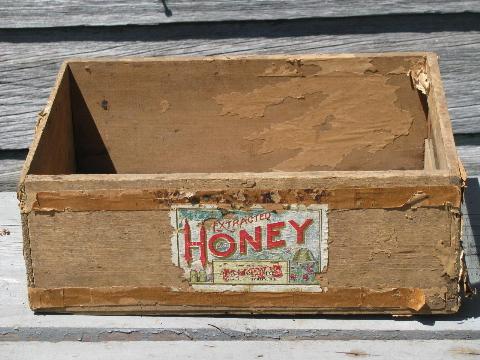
(271, 126)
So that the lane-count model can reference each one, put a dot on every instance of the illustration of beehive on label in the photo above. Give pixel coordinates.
(226, 248)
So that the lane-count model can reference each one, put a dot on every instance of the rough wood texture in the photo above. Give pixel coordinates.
(143, 242)
(28, 79)
(365, 113)
(54, 13)
(145, 199)
(18, 323)
(135, 251)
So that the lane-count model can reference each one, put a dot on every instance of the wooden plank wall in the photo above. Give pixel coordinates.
(53, 13)
(35, 37)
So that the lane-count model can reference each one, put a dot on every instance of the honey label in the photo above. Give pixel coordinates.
(255, 249)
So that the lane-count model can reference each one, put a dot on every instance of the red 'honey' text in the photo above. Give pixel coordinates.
(230, 244)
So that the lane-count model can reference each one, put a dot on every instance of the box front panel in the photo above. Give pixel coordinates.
(263, 257)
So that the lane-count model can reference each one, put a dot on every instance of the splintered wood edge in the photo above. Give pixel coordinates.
(159, 199)
(250, 57)
(437, 91)
(218, 181)
(339, 300)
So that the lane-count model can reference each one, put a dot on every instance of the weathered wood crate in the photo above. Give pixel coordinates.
(273, 184)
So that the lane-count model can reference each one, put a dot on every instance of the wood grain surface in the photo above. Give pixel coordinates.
(11, 163)
(54, 13)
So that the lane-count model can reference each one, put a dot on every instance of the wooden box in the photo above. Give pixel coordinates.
(263, 184)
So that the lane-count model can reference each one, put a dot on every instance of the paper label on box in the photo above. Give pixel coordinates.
(251, 250)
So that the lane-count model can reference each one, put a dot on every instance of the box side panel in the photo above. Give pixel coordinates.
(54, 153)
(379, 260)
(51, 152)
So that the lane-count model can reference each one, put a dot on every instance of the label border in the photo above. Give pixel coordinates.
(323, 243)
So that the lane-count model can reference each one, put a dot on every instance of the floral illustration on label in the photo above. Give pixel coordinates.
(250, 247)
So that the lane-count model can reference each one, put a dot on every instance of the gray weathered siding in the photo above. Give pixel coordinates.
(54, 13)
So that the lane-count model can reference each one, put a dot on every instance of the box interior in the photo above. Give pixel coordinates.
(235, 115)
